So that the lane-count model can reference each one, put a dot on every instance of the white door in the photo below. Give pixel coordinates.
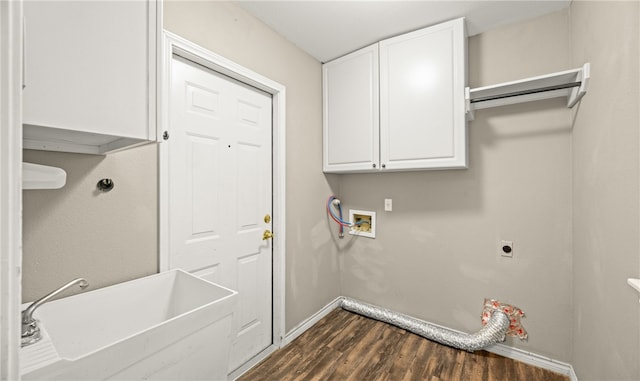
(220, 196)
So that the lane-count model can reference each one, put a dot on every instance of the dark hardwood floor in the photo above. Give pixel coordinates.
(346, 346)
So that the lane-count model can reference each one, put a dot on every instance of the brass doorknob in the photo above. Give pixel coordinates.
(266, 235)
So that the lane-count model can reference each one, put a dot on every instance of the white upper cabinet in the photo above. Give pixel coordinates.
(422, 103)
(350, 121)
(90, 74)
(418, 120)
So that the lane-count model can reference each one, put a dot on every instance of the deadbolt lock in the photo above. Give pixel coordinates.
(266, 235)
(267, 218)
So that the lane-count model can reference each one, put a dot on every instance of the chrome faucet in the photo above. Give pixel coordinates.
(30, 330)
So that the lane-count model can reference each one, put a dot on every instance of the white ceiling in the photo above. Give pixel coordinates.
(329, 29)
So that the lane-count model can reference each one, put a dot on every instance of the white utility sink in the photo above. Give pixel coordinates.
(171, 325)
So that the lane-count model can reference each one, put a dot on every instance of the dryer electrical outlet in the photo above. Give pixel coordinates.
(364, 223)
(505, 249)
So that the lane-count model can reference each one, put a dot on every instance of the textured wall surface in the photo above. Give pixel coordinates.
(606, 192)
(436, 254)
(77, 231)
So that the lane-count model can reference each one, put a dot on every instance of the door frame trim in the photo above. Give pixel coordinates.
(11, 80)
(174, 44)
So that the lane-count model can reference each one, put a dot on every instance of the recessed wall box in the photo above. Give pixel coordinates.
(364, 223)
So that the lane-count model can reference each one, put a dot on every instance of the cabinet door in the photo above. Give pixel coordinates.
(350, 115)
(90, 67)
(422, 80)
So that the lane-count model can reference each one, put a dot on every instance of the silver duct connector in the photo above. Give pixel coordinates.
(493, 332)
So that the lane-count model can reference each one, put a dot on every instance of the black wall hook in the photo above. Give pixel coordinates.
(105, 185)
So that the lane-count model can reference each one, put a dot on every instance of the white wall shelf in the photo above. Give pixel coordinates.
(36, 176)
(572, 84)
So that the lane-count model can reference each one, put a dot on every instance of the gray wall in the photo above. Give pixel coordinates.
(436, 254)
(606, 165)
(77, 231)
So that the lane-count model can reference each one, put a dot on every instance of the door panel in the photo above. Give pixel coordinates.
(208, 273)
(204, 187)
(219, 193)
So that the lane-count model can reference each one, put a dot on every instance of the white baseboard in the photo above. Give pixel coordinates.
(499, 349)
(533, 359)
(289, 337)
(572, 373)
(310, 322)
(251, 363)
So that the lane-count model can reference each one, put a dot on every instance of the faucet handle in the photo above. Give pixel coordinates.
(30, 333)
(30, 329)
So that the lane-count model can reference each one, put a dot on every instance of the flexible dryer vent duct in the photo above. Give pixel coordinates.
(493, 332)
